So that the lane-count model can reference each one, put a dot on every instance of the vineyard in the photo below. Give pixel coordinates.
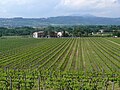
(89, 63)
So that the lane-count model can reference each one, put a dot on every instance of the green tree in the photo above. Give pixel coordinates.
(116, 33)
(0, 34)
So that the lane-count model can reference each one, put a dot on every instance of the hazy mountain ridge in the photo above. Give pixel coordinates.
(65, 20)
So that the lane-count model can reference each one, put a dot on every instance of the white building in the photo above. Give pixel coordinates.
(101, 31)
(35, 35)
(38, 34)
(59, 34)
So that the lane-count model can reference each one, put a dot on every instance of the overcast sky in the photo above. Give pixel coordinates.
(48, 8)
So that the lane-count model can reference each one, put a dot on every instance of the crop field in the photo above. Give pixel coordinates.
(88, 63)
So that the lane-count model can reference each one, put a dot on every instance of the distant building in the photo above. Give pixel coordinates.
(115, 36)
(49, 34)
(63, 34)
(52, 34)
(101, 30)
(38, 34)
(59, 34)
(92, 33)
(35, 35)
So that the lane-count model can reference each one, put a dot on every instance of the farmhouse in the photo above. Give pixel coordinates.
(115, 36)
(53, 34)
(101, 30)
(49, 34)
(38, 34)
(59, 34)
(63, 34)
(41, 34)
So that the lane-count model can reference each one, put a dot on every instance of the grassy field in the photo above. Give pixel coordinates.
(60, 63)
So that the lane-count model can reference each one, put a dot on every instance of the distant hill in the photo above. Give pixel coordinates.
(60, 20)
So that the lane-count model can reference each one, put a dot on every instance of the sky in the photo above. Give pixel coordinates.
(51, 8)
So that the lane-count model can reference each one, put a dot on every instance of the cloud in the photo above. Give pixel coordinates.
(27, 8)
(15, 2)
(10, 8)
(46, 8)
(102, 7)
(80, 4)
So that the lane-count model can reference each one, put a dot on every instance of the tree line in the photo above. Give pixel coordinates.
(76, 30)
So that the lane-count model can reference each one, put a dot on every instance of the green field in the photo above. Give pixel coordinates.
(88, 63)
